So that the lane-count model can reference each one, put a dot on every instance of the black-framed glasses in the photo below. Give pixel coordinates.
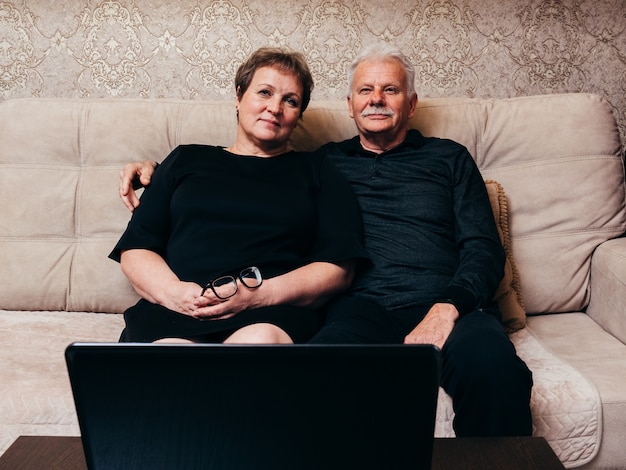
(226, 286)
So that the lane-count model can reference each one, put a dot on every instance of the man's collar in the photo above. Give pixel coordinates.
(351, 146)
(413, 139)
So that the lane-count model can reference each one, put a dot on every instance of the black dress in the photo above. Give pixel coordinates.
(209, 212)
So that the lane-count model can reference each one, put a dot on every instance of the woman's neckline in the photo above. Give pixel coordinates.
(237, 154)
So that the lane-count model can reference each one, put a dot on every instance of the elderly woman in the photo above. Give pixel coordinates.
(242, 244)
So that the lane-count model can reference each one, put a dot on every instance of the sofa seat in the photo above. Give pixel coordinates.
(601, 360)
(566, 404)
(36, 397)
(570, 404)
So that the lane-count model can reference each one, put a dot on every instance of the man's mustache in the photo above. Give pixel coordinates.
(378, 110)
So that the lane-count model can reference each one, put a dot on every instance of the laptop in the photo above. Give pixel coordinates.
(239, 407)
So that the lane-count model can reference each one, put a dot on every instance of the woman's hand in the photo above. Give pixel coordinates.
(181, 297)
(210, 307)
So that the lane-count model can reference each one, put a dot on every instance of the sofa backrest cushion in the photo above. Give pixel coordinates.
(60, 162)
(558, 158)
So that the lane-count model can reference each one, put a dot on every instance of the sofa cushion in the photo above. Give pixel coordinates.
(35, 392)
(63, 214)
(600, 358)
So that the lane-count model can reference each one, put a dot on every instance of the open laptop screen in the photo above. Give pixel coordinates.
(255, 407)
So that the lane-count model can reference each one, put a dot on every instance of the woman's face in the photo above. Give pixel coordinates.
(269, 111)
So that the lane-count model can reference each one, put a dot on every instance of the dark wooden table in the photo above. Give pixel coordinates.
(511, 453)
(494, 453)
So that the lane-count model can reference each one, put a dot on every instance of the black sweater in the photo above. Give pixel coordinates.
(429, 228)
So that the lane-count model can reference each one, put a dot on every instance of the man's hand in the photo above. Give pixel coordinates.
(435, 327)
(143, 171)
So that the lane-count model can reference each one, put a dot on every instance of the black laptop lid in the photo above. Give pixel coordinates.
(255, 407)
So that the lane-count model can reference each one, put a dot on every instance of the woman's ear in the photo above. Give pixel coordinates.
(237, 99)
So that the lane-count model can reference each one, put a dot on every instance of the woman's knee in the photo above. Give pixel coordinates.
(173, 341)
(259, 333)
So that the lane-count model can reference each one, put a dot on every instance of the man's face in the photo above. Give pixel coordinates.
(380, 104)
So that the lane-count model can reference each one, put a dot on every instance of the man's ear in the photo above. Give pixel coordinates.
(413, 100)
(349, 100)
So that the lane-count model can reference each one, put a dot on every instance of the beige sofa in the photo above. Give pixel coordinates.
(558, 158)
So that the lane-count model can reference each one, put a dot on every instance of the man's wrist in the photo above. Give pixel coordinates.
(463, 299)
(452, 304)
(446, 301)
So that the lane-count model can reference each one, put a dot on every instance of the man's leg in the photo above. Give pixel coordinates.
(489, 384)
(354, 320)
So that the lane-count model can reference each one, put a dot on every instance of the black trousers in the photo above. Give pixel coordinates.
(489, 384)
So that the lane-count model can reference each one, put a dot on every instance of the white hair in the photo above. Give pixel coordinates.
(382, 51)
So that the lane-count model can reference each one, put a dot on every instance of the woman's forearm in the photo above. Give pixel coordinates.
(149, 274)
(310, 285)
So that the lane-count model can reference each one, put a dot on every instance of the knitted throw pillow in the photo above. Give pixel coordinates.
(508, 295)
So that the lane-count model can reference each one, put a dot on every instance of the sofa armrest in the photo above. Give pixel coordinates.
(607, 301)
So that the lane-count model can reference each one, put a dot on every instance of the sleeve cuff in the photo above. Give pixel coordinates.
(461, 298)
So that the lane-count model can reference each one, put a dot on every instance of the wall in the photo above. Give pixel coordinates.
(190, 49)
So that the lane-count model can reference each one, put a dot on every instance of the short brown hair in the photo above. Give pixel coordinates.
(283, 59)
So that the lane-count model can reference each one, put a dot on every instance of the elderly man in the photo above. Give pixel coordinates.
(436, 256)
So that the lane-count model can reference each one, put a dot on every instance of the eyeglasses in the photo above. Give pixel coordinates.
(226, 286)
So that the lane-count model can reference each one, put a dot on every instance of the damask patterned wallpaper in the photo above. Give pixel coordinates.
(190, 49)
